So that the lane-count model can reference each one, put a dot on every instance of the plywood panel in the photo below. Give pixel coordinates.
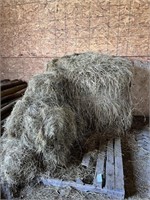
(22, 67)
(44, 29)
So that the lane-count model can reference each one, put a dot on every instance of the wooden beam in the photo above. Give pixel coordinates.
(117, 194)
(11, 84)
(13, 90)
(12, 96)
(5, 81)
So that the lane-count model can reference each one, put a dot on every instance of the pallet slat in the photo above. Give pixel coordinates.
(13, 96)
(13, 90)
(84, 188)
(119, 177)
(110, 166)
(11, 84)
(99, 170)
(86, 160)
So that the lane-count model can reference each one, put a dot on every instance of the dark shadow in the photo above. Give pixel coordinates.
(139, 122)
(129, 178)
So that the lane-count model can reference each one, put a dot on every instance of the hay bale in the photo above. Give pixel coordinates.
(99, 88)
(77, 94)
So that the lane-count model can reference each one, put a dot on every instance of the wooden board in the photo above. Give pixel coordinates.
(86, 160)
(99, 172)
(119, 177)
(110, 166)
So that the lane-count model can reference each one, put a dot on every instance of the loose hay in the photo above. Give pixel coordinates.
(78, 94)
(17, 162)
(74, 172)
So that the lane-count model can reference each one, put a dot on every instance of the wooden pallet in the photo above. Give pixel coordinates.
(108, 179)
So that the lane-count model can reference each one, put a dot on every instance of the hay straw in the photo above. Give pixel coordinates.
(74, 172)
(100, 87)
(17, 162)
(77, 95)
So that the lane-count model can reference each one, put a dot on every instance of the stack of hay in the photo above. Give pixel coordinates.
(77, 95)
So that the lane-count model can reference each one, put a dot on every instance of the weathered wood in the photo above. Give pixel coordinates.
(13, 90)
(110, 166)
(86, 160)
(119, 177)
(99, 172)
(114, 194)
(78, 180)
(11, 84)
(7, 109)
(13, 96)
(5, 81)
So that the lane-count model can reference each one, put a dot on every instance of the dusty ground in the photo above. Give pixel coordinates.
(136, 160)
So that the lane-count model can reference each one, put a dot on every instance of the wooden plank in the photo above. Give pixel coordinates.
(11, 84)
(113, 194)
(119, 177)
(78, 180)
(13, 90)
(110, 166)
(86, 160)
(99, 170)
(12, 96)
(4, 81)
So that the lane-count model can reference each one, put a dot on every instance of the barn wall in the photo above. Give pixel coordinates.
(35, 31)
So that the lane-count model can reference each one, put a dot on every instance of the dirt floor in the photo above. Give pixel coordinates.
(136, 162)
